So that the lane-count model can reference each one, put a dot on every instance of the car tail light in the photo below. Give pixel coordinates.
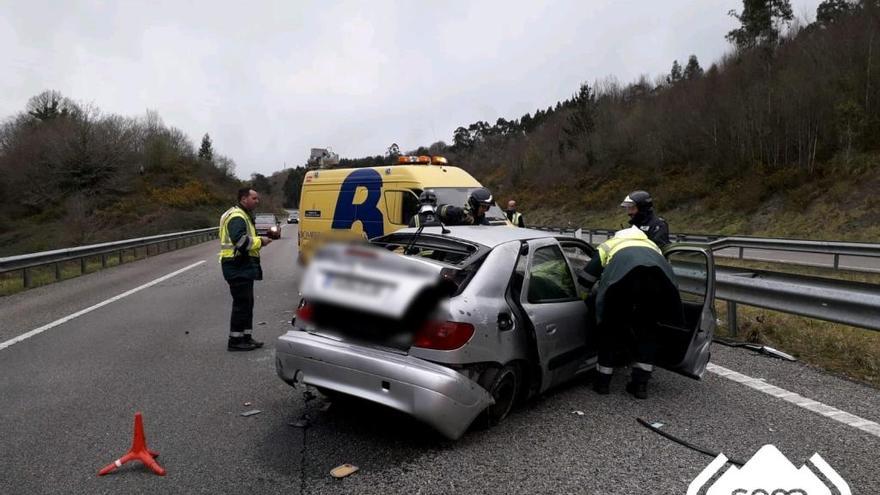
(305, 313)
(443, 335)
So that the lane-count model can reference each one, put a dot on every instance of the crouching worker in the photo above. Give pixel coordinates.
(636, 291)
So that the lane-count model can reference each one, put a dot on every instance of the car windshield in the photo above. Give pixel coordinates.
(457, 196)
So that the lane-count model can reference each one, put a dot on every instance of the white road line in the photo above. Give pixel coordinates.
(817, 407)
(67, 318)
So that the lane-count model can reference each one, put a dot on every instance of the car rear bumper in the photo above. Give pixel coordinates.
(431, 393)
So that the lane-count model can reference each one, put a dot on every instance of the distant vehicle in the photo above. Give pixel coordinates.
(509, 323)
(268, 225)
(293, 217)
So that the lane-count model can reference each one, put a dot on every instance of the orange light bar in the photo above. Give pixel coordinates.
(414, 159)
(439, 160)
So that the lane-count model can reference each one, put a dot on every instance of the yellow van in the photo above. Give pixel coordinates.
(363, 203)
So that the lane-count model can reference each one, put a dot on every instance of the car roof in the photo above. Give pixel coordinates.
(487, 235)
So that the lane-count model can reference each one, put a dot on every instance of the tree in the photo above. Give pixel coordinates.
(831, 11)
(760, 23)
(675, 74)
(582, 122)
(461, 139)
(393, 151)
(261, 184)
(693, 70)
(206, 150)
(49, 105)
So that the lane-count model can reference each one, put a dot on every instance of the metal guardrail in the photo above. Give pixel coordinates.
(839, 301)
(833, 249)
(26, 262)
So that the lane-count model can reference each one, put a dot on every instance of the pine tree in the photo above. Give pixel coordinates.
(206, 150)
(760, 22)
(693, 70)
(674, 74)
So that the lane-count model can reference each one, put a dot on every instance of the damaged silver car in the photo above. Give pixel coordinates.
(451, 324)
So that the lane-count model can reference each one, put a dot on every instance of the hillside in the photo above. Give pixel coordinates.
(780, 137)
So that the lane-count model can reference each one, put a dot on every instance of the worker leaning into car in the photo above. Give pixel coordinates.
(473, 213)
(240, 260)
(640, 208)
(635, 292)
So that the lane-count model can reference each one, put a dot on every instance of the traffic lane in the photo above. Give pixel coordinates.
(808, 381)
(545, 446)
(71, 395)
(36, 307)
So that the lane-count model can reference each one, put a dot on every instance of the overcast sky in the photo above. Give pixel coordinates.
(270, 80)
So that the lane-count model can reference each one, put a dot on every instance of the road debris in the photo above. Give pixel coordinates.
(261, 323)
(343, 470)
(247, 404)
(579, 413)
(251, 412)
(302, 422)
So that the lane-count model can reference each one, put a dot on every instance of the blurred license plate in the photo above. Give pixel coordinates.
(356, 285)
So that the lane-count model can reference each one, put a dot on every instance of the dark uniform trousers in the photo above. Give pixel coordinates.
(629, 321)
(242, 317)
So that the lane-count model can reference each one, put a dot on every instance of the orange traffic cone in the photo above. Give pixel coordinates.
(138, 451)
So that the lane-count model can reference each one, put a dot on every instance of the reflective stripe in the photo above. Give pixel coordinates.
(604, 370)
(644, 367)
(609, 248)
(236, 334)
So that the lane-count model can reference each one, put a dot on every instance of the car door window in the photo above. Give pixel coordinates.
(550, 277)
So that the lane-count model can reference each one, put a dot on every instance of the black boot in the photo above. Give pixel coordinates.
(638, 383)
(250, 339)
(602, 384)
(240, 344)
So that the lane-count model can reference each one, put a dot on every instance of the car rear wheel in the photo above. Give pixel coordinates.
(503, 384)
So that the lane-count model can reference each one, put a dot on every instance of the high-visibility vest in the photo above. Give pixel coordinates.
(227, 247)
(631, 237)
(515, 219)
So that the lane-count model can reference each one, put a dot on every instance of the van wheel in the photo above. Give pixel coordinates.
(503, 384)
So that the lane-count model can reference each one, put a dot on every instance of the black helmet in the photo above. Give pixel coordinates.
(640, 199)
(480, 196)
(428, 198)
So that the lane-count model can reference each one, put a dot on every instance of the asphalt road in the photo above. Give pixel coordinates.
(68, 396)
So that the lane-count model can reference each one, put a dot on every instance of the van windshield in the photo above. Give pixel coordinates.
(457, 196)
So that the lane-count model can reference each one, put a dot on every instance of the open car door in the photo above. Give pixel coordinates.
(685, 349)
(555, 311)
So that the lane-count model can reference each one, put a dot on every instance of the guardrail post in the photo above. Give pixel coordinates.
(121, 255)
(57, 271)
(741, 252)
(731, 318)
(26, 277)
(836, 261)
(103, 261)
(82, 266)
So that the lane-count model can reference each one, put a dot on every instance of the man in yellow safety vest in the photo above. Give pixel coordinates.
(240, 260)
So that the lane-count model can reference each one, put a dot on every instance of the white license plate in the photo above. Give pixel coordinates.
(355, 285)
